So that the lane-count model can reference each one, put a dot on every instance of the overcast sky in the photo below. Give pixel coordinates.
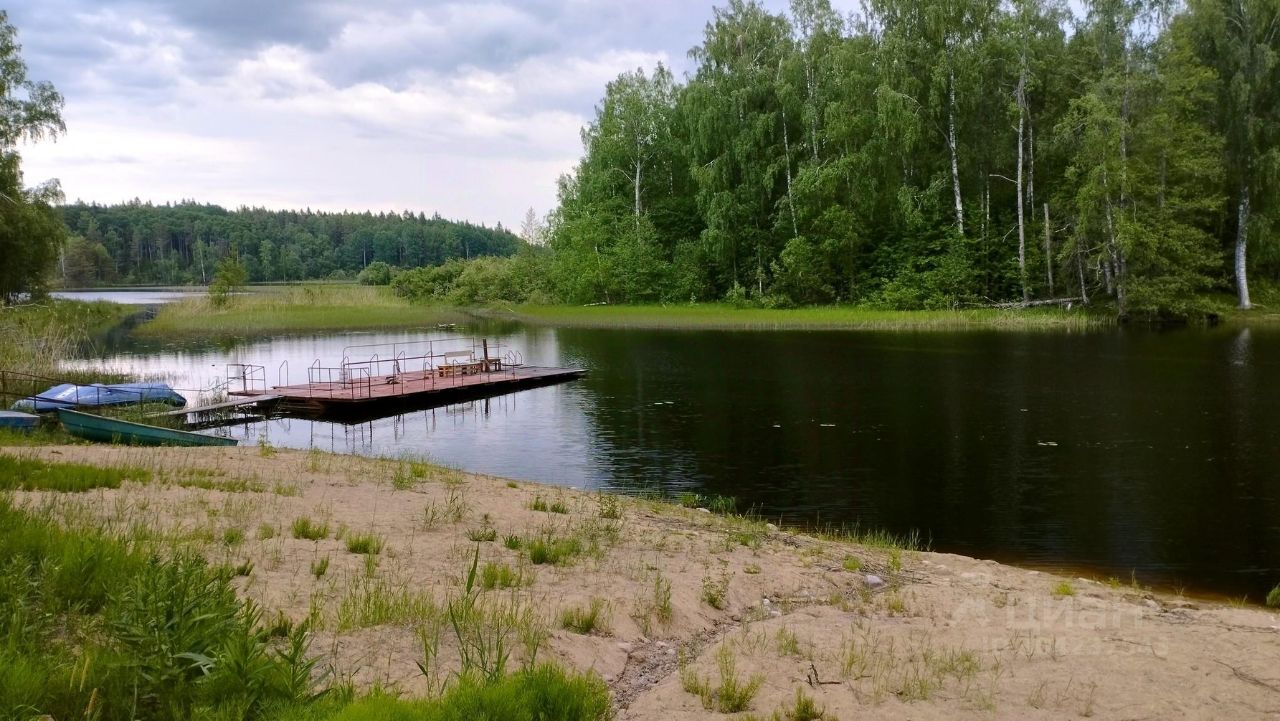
(469, 109)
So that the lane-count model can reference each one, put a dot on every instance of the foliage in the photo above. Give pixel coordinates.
(94, 628)
(31, 234)
(542, 693)
(182, 243)
(228, 280)
(376, 273)
(933, 156)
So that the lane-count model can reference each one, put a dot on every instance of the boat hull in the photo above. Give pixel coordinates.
(17, 421)
(112, 430)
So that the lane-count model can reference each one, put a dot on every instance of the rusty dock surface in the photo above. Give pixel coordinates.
(367, 395)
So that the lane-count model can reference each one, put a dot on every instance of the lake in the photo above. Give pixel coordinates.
(1111, 452)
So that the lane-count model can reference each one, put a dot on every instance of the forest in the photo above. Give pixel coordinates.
(937, 153)
(141, 243)
(918, 154)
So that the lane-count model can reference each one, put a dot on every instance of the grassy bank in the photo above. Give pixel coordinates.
(395, 589)
(296, 309)
(35, 338)
(726, 317)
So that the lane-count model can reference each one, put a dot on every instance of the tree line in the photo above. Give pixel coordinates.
(183, 243)
(932, 153)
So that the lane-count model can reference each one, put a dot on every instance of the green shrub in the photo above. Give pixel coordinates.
(1273, 598)
(95, 628)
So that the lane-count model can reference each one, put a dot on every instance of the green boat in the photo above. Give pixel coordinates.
(111, 430)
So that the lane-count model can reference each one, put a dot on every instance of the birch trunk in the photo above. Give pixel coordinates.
(951, 142)
(1022, 225)
(639, 170)
(1048, 250)
(791, 203)
(1084, 295)
(1031, 158)
(1242, 240)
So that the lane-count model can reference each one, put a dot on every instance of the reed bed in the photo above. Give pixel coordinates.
(727, 317)
(296, 309)
(36, 338)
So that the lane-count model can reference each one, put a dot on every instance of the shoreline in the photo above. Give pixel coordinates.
(859, 629)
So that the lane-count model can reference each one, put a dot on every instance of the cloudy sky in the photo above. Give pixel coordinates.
(469, 109)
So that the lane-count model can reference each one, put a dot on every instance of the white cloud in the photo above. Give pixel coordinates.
(471, 110)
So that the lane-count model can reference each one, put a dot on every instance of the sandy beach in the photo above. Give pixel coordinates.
(686, 614)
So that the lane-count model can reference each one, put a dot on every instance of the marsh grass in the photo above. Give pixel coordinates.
(301, 308)
(726, 317)
(29, 474)
(37, 337)
(1273, 598)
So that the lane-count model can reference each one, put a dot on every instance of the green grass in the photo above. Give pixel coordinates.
(499, 575)
(369, 544)
(319, 567)
(95, 627)
(35, 338)
(1063, 589)
(731, 695)
(1273, 598)
(307, 529)
(552, 550)
(586, 620)
(542, 693)
(721, 316)
(296, 309)
(29, 474)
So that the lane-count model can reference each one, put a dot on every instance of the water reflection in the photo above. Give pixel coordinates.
(1119, 450)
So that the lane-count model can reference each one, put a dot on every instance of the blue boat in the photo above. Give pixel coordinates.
(18, 421)
(69, 395)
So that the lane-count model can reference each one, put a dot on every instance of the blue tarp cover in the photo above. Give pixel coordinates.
(69, 395)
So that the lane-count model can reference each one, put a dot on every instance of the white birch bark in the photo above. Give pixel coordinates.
(951, 143)
(1242, 240)
(1048, 250)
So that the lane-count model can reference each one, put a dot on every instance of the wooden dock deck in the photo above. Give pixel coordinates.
(369, 396)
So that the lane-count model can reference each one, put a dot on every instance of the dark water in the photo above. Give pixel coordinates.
(1116, 451)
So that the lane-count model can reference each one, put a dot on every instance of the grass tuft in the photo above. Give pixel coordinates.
(307, 529)
(592, 619)
(369, 544)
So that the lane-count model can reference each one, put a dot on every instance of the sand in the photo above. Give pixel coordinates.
(864, 632)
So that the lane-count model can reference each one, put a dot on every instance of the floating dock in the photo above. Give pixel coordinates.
(443, 372)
